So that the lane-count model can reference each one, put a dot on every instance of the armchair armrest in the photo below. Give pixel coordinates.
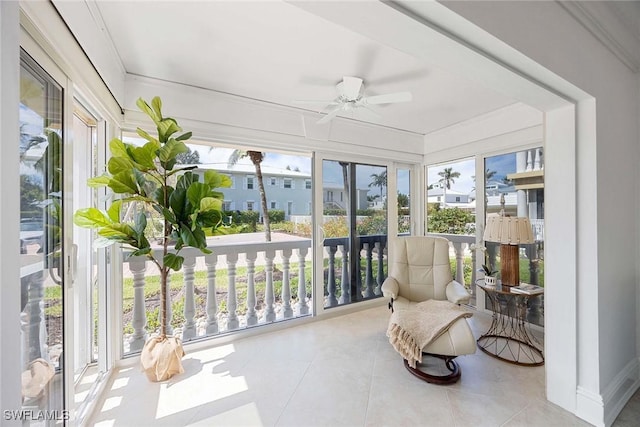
(456, 293)
(390, 288)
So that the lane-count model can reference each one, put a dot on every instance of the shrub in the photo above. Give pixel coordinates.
(276, 215)
(449, 220)
(336, 227)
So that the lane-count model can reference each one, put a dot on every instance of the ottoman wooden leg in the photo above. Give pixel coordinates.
(451, 365)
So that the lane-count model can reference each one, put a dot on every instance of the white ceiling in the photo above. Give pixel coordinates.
(276, 52)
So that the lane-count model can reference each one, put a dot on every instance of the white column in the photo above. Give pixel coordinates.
(269, 313)
(139, 321)
(252, 318)
(212, 303)
(302, 306)
(189, 328)
(286, 287)
(232, 301)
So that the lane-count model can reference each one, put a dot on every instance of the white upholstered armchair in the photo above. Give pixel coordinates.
(419, 270)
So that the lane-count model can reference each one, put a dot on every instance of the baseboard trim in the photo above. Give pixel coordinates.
(620, 390)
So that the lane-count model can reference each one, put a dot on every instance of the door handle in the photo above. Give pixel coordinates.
(72, 262)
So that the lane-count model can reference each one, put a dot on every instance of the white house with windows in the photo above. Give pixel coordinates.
(285, 189)
(334, 197)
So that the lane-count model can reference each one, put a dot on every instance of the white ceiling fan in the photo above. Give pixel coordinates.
(351, 97)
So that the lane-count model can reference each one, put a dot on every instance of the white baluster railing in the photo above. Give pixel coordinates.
(266, 255)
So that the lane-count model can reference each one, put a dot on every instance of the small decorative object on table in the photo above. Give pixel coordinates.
(527, 289)
(489, 275)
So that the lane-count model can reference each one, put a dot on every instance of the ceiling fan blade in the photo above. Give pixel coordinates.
(351, 87)
(312, 102)
(388, 98)
(329, 116)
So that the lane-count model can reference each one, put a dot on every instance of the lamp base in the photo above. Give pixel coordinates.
(509, 265)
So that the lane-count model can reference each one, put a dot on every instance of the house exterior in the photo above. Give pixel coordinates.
(573, 71)
(286, 190)
(334, 197)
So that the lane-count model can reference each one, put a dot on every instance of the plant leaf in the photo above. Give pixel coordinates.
(118, 148)
(209, 204)
(184, 136)
(114, 211)
(99, 181)
(156, 104)
(173, 261)
(123, 183)
(196, 192)
(171, 149)
(119, 164)
(90, 218)
(142, 105)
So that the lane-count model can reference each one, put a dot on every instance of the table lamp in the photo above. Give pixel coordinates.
(510, 232)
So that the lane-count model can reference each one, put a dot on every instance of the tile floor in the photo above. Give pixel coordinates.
(336, 372)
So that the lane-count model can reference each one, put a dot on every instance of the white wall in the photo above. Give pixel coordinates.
(606, 170)
(9, 211)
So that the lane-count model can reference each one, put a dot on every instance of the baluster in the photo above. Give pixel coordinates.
(169, 307)
(358, 294)
(212, 303)
(369, 292)
(302, 306)
(232, 299)
(380, 277)
(457, 247)
(189, 328)
(136, 342)
(344, 298)
(536, 160)
(36, 329)
(252, 318)
(286, 286)
(331, 277)
(529, 162)
(473, 273)
(269, 313)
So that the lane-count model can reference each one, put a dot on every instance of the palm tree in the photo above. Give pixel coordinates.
(448, 177)
(379, 180)
(256, 158)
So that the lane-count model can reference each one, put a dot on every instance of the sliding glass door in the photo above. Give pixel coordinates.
(354, 231)
(42, 249)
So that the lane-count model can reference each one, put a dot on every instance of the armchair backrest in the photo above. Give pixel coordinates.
(421, 266)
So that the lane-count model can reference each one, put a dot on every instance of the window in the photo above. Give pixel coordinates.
(250, 183)
(233, 181)
(288, 183)
(273, 182)
(457, 198)
(273, 205)
(227, 205)
(307, 184)
(249, 205)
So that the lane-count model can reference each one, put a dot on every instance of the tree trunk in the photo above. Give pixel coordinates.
(256, 158)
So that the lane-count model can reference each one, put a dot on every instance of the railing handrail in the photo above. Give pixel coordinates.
(220, 247)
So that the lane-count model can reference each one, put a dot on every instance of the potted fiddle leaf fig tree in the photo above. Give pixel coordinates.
(145, 176)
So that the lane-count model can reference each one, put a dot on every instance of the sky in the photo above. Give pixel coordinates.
(503, 164)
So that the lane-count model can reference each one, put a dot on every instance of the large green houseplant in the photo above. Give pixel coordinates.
(190, 209)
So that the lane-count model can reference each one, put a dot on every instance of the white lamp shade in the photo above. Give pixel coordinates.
(508, 230)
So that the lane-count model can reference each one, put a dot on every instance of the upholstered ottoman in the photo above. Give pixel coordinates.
(434, 328)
